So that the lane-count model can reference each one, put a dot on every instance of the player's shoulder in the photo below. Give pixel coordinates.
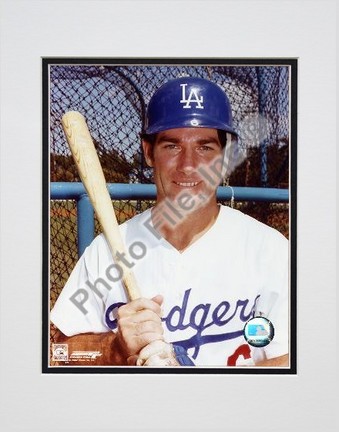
(98, 246)
(137, 220)
(139, 228)
(127, 228)
(250, 225)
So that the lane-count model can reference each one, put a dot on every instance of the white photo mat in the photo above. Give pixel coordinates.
(33, 29)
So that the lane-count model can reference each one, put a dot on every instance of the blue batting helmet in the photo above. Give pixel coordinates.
(188, 102)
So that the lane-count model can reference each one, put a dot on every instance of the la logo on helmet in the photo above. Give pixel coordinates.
(193, 97)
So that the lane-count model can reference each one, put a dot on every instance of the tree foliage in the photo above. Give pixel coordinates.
(116, 168)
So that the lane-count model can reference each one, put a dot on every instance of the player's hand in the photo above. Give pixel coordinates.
(157, 353)
(139, 324)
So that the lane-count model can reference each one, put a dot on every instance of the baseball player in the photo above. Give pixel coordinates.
(204, 269)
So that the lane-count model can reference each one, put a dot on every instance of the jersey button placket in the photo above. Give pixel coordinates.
(180, 279)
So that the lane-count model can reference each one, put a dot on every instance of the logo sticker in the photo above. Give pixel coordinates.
(258, 331)
(60, 352)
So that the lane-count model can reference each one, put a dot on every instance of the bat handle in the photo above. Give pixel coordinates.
(131, 286)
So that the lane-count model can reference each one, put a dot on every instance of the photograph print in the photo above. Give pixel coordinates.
(169, 216)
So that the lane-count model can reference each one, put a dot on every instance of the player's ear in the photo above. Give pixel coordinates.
(148, 152)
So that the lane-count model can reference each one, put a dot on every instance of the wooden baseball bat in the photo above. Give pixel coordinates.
(86, 159)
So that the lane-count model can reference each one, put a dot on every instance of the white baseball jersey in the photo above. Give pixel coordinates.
(237, 269)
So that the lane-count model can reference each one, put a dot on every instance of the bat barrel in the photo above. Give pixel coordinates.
(87, 161)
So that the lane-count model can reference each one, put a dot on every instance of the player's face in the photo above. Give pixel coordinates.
(184, 160)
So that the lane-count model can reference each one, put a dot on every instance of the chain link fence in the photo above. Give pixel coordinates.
(113, 99)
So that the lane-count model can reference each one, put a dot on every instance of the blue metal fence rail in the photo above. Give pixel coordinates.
(137, 191)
